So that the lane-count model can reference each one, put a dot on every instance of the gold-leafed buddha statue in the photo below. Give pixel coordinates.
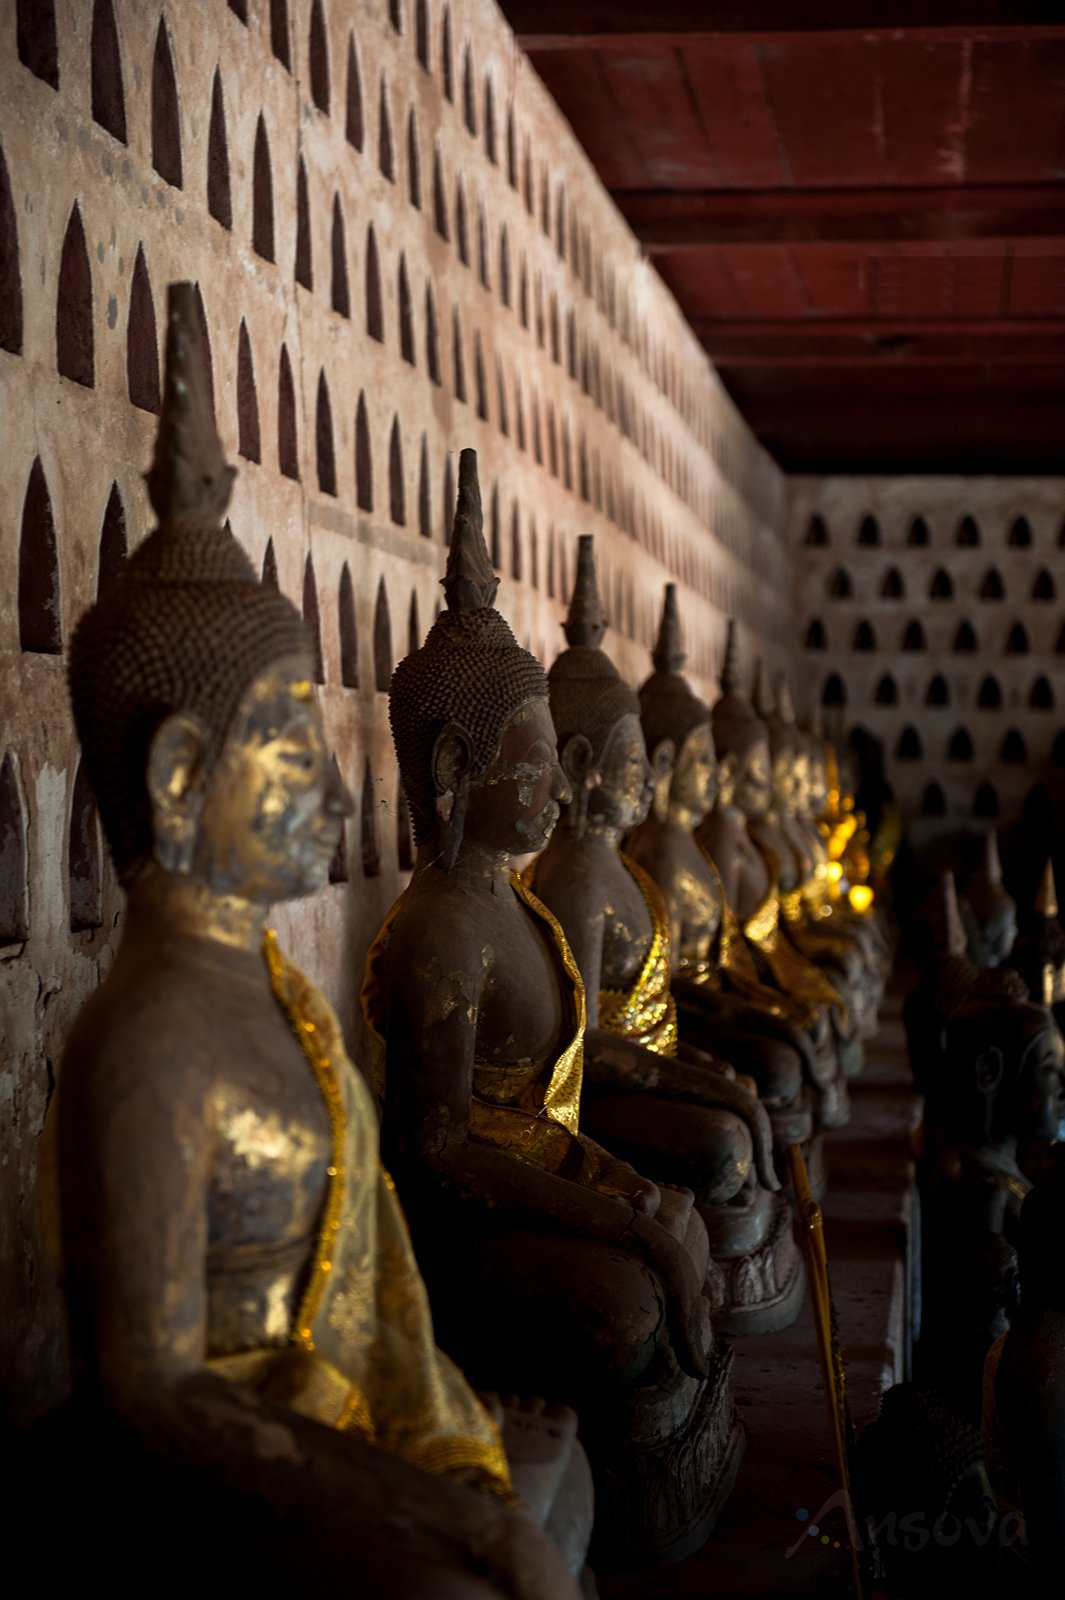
(256, 1369)
(667, 1107)
(543, 1251)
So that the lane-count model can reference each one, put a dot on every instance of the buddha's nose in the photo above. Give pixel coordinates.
(560, 789)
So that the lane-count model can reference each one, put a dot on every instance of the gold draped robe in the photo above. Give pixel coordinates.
(361, 1355)
(532, 1113)
(790, 968)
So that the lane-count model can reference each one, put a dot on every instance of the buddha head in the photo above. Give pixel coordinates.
(192, 683)
(992, 910)
(813, 735)
(1005, 1057)
(596, 717)
(470, 717)
(788, 754)
(742, 738)
(676, 726)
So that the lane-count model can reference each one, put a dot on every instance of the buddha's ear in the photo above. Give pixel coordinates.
(452, 758)
(989, 1067)
(175, 766)
(575, 759)
(662, 758)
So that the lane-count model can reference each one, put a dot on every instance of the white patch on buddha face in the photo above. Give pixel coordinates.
(623, 794)
(694, 784)
(514, 808)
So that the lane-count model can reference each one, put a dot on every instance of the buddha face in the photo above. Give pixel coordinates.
(273, 807)
(513, 809)
(817, 786)
(754, 780)
(694, 786)
(626, 780)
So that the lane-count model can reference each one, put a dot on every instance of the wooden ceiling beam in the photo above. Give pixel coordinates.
(730, 351)
(667, 221)
(872, 328)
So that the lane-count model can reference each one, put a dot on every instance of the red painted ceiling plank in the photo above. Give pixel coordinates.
(837, 281)
(831, 349)
(727, 81)
(826, 103)
(651, 100)
(875, 327)
(701, 281)
(577, 83)
(1018, 111)
(766, 280)
(924, 89)
(1037, 284)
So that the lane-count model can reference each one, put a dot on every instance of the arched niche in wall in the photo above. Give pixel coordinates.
(985, 801)
(941, 586)
(312, 617)
(10, 272)
(363, 457)
(864, 637)
(205, 340)
(967, 534)
(1043, 586)
(933, 801)
(834, 691)
(840, 586)
(991, 585)
(887, 691)
(279, 36)
(371, 850)
(382, 639)
(1014, 751)
(375, 316)
(36, 39)
(338, 867)
(219, 199)
(108, 95)
(913, 638)
(262, 195)
(14, 877)
(348, 629)
(1041, 694)
(917, 536)
(432, 343)
(425, 509)
(166, 111)
(249, 442)
(989, 694)
(142, 347)
(354, 128)
(84, 858)
(869, 532)
(816, 536)
(406, 314)
(325, 454)
(269, 578)
(414, 162)
(892, 585)
(287, 441)
(1020, 534)
(960, 747)
(1017, 640)
(74, 339)
(318, 57)
(39, 610)
(339, 291)
(448, 504)
(440, 218)
(113, 545)
(965, 641)
(938, 691)
(909, 746)
(303, 267)
(397, 488)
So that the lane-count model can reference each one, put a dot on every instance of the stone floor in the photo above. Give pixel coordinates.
(762, 1545)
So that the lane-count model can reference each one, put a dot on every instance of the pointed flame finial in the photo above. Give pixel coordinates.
(990, 865)
(189, 479)
(1046, 901)
(586, 622)
(469, 582)
(953, 930)
(730, 666)
(669, 654)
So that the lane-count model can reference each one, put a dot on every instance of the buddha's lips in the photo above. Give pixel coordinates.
(542, 825)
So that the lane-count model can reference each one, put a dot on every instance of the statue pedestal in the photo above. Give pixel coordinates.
(658, 1494)
(762, 1290)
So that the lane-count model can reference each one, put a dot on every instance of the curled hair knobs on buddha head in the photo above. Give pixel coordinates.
(470, 674)
(588, 695)
(187, 627)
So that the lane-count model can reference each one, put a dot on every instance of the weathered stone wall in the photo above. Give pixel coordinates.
(929, 613)
(400, 250)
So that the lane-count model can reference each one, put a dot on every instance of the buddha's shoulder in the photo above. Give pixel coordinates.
(142, 1020)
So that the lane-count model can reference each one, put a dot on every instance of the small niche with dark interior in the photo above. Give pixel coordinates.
(834, 691)
(262, 196)
(933, 801)
(10, 275)
(887, 691)
(303, 270)
(1017, 640)
(166, 115)
(991, 585)
(440, 222)
(1043, 587)
(338, 867)
(318, 58)
(448, 501)
(479, 382)
(406, 315)
(14, 919)
(249, 443)
(938, 691)
(348, 628)
(869, 532)
(816, 532)
(425, 514)
(1057, 754)
(323, 438)
(74, 341)
(39, 614)
(469, 93)
(113, 546)
(432, 340)
(363, 457)
(354, 130)
(386, 156)
(495, 538)
(989, 694)
(421, 32)
(985, 801)
(287, 441)
(414, 632)
(965, 641)
(909, 746)
(967, 536)
(371, 853)
(892, 586)
(918, 537)
(414, 162)
(960, 747)
(142, 348)
(279, 40)
(269, 578)
(375, 317)
(1014, 752)
(462, 238)
(312, 618)
(397, 492)
(864, 637)
(382, 640)
(913, 638)
(219, 200)
(36, 39)
(1041, 695)
(205, 341)
(1059, 642)
(1020, 534)
(447, 67)
(941, 587)
(339, 295)
(84, 858)
(840, 586)
(108, 96)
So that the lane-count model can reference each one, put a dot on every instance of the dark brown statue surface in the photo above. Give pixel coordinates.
(668, 1107)
(255, 1358)
(543, 1251)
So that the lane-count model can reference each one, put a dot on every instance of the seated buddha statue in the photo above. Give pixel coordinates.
(663, 1105)
(1029, 1380)
(1001, 1083)
(544, 1253)
(749, 873)
(255, 1363)
(722, 1006)
(832, 944)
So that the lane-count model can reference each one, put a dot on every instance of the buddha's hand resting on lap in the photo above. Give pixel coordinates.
(622, 1182)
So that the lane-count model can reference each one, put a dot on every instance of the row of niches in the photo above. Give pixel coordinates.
(984, 799)
(314, 64)
(548, 566)
(965, 532)
(984, 692)
(379, 825)
(1006, 637)
(982, 583)
(454, 359)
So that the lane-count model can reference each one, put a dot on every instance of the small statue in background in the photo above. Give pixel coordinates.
(254, 1351)
(546, 1255)
(989, 911)
(669, 1108)
(1038, 952)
